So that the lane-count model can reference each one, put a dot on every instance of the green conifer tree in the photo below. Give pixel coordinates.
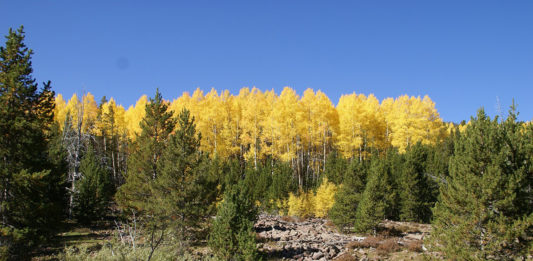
(146, 152)
(232, 236)
(136, 195)
(376, 198)
(335, 168)
(29, 183)
(415, 193)
(94, 189)
(182, 191)
(485, 210)
(343, 212)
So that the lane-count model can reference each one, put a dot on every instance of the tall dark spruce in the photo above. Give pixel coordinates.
(30, 193)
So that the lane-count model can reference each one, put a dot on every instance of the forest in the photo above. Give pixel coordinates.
(171, 178)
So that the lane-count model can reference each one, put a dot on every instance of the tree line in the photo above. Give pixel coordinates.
(201, 168)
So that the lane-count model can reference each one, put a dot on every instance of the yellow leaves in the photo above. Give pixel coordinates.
(307, 204)
(82, 114)
(60, 112)
(112, 119)
(257, 125)
(361, 124)
(134, 115)
(324, 198)
(301, 205)
(411, 119)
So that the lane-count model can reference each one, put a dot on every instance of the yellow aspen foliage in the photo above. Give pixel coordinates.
(210, 122)
(112, 119)
(82, 113)
(374, 125)
(231, 126)
(412, 119)
(60, 111)
(282, 205)
(286, 116)
(350, 138)
(269, 135)
(319, 123)
(462, 127)
(134, 115)
(301, 205)
(324, 198)
(255, 109)
(300, 130)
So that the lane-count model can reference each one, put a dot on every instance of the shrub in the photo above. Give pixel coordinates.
(388, 246)
(415, 246)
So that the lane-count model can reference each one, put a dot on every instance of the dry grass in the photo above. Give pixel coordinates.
(389, 246)
(329, 224)
(415, 246)
(345, 257)
(366, 243)
(288, 219)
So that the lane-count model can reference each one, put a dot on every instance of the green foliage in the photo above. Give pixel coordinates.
(94, 189)
(137, 195)
(335, 168)
(415, 192)
(485, 208)
(30, 202)
(146, 152)
(113, 251)
(232, 236)
(377, 197)
(343, 212)
(182, 191)
(282, 184)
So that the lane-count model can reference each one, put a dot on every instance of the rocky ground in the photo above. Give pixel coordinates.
(317, 239)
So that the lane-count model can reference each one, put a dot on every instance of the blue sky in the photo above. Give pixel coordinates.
(463, 54)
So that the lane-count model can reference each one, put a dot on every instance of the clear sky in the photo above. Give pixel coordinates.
(463, 54)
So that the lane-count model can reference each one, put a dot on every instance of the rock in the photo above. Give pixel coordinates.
(317, 255)
(332, 252)
(414, 236)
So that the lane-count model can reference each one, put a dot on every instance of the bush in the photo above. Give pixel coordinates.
(415, 246)
(366, 243)
(232, 236)
(119, 252)
(388, 246)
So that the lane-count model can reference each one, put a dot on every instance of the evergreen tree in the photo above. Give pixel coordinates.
(343, 212)
(282, 184)
(94, 189)
(335, 168)
(182, 190)
(376, 199)
(29, 183)
(136, 195)
(485, 208)
(147, 149)
(232, 236)
(415, 192)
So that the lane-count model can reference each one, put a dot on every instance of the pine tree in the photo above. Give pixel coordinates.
(415, 192)
(343, 212)
(376, 199)
(137, 195)
(94, 189)
(485, 208)
(182, 191)
(335, 168)
(147, 149)
(232, 236)
(28, 178)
